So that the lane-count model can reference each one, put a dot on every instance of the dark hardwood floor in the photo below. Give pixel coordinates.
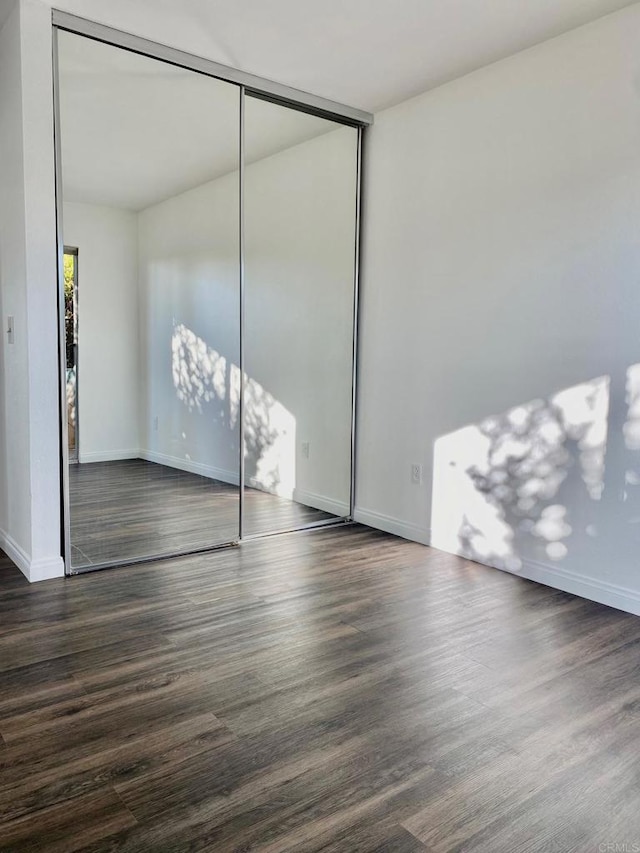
(132, 508)
(341, 690)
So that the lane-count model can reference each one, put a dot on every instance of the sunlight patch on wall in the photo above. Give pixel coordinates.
(505, 482)
(202, 376)
(583, 410)
(270, 442)
(199, 372)
(632, 424)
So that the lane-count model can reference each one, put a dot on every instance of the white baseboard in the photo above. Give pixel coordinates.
(613, 595)
(339, 508)
(108, 455)
(46, 569)
(210, 471)
(15, 553)
(557, 577)
(392, 525)
(34, 570)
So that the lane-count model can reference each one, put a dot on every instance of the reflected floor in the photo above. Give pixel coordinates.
(132, 508)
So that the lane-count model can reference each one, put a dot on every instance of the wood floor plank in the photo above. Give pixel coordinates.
(69, 826)
(132, 508)
(158, 751)
(341, 691)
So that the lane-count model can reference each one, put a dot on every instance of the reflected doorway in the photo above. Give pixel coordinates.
(71, 347)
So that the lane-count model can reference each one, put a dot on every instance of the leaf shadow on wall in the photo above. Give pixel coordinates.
(545, 480)
(208, 383)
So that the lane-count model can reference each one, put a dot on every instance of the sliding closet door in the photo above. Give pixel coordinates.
(300, 189)
(149, 202)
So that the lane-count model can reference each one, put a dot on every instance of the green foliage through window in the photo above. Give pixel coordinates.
(69, 308)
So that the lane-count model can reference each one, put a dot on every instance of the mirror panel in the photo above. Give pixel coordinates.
(150, 209)
(300, 190)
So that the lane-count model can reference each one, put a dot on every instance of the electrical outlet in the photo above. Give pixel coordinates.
(155, 424)
(305, 448)
(416, 473)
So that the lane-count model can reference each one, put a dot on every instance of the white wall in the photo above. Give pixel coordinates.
(15, 515)
(189, 339)
(30, 519)
(501, 266)
(300, 208)
(41, 290)
(108, 349)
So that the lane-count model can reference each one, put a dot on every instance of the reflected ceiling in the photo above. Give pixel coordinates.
(136, 131)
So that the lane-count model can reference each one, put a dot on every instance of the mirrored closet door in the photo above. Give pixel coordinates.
(207, 239)
(300, 194)
(149, 201)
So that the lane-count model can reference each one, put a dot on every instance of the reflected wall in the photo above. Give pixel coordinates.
(299, 253)
(157, 378)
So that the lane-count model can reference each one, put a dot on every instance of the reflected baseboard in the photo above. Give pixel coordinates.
(189, 465)
(321, 502)
(108, 455)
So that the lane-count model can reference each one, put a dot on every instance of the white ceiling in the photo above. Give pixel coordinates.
(365, 53)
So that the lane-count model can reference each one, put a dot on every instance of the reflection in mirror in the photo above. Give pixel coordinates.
(300, 188)
(70, 271)
(152, 375)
